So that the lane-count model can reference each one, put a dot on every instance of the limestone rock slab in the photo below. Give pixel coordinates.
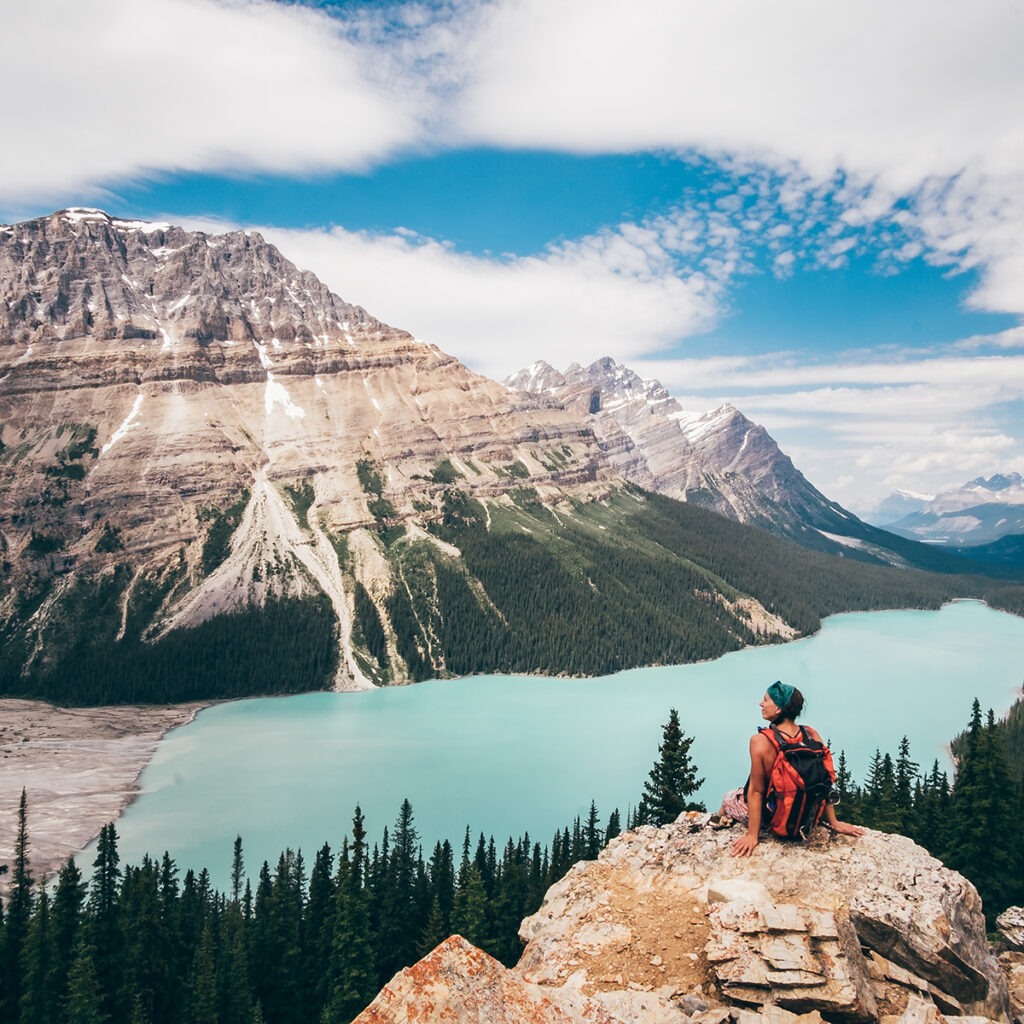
(1011, 924)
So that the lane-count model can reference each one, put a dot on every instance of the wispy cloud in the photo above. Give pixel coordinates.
(611, 292)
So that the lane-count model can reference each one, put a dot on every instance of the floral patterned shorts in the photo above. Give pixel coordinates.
(734, 805)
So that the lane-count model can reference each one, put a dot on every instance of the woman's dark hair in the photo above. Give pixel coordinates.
(792, 709)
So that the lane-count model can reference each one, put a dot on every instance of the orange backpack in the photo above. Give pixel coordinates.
(799, 784)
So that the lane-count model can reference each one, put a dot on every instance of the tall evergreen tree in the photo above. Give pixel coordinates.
(237, 870)
(933, 811)
(592, 835)
(352, 970)
(39, 970)
(236, 1005)
(613, 828)
(906, 774)
(68, 900)
(318, 929)
(469, 914)
(997, 878)
(84, 1003)
(106, 937)
(19, 912)
(673, 778)
(202, 985)
(968, 838)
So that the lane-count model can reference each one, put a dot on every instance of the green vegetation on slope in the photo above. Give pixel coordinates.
(223, 524)
(583, 589)
(287, 646)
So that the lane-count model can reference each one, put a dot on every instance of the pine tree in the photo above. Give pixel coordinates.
(845, 791)
(106, 936)
(202, 985)
(613, 828)
(353, 974)
(236, 1004)
(907, 772)
(68, 900)
(469, 914)
(968, 836)
(84, 1004)
(442, 881)
(673, 778)
(318, 930)
(436, 931)
(19, 911)
(997, 877)
(592, 833)
(237, 870)
(39, 971)
(933, 812)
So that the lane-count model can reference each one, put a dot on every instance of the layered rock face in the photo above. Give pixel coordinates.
(201, 359)
(718, 459)
(667, 927)
(152, 378)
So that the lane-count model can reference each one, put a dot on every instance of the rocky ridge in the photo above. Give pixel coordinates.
(667, 928)
(719, 459)
(152, 378)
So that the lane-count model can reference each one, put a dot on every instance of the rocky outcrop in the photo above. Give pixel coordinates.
(1012, 964)
(666, 927)
(1011, 926)
(458, 982)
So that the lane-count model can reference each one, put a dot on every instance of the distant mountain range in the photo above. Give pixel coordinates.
(718, 460)
(977, 513)
(218, 478)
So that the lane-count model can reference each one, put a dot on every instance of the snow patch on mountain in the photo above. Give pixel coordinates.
(127, 425)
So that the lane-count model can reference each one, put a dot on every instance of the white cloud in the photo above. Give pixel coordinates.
(613, 292)
(913, 100)
(902, 92)
(106, 90)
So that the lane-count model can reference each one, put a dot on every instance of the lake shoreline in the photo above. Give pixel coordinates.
(80, 769)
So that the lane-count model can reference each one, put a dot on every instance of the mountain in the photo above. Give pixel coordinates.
(894, 507)
(719, 460)
(219, 478)
(978, 513)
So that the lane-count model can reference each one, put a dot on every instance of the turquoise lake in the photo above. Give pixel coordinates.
(507, 754)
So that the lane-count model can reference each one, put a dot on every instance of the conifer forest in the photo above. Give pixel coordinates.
(146, 944)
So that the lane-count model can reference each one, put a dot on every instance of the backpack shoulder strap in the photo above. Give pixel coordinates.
(812, 739)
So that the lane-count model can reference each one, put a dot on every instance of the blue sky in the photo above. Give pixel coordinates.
(818, 218)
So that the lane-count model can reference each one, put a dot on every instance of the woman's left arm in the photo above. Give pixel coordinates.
(842, 827)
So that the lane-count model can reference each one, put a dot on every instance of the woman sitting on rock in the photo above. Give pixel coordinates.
(780, 706)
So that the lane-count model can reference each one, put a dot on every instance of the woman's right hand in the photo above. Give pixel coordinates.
(744, 846)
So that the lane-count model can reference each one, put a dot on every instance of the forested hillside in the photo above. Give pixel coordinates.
(585, 588)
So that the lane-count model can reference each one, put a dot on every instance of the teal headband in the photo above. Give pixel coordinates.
(781, 693)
